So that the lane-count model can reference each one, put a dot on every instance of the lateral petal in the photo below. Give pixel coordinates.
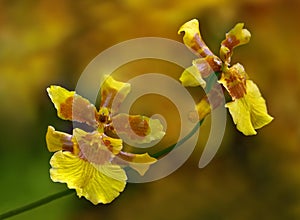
(192, 38)
(113, 93)
(137, 129)
(71, 106)
(192, 77)
(138, 162)
(57, 140)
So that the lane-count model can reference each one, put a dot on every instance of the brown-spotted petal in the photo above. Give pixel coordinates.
(249, 112)
(57, 140)
(137, 129)
(212, 100)
(208, 65)
(235, 37)
(113, 93)
(192, 77)
(192, 38)
(234, 80)
(71, 106)
(138, 162)
(201, 68)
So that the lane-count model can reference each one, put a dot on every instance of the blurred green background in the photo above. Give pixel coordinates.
(51, 42)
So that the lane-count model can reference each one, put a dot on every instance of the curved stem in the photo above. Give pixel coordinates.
(180, 142)
(35, 204)
(68, 191)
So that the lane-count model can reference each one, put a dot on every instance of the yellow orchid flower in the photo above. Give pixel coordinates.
(83, 161)
(247, 108)
(92, 162)
(250, 111)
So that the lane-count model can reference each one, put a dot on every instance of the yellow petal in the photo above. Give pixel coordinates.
(71, 106)
(234, 80)
(58, 140)
(203, 108)
(208, 65)
(138, 162)
(192, 77)
(98, 184)
(113, 91)
(192, 38)
(136, 129)
(213, 99)
(114, 145)
(225, 54)
(250, 112)
(235, 37)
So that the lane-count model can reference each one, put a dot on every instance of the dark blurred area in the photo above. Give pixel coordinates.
(51, 42)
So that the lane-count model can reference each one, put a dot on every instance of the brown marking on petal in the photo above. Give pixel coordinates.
(64, 140)
(203, 67)
(67, 145)
(105, 99)
(123, 158)
(110, 128)
(107, 143)
(66, 108)
(200, 47)
(126, 156)
(134, 127)
(230, 42)
(108, 97)
(236, 85)
(110, 131)
(212, 100)
(83, 111)
(139, 125)
(214, 62)
(208, 65)
(78, 109)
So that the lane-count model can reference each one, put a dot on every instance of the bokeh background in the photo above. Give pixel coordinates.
(51, 42)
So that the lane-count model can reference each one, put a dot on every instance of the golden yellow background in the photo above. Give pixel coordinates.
(51, 42)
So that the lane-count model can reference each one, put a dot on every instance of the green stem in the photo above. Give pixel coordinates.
(35, 204)
(168, 149)
(68, 191)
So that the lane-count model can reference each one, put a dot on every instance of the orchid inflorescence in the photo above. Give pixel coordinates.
(247, 107)
(92, 162)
